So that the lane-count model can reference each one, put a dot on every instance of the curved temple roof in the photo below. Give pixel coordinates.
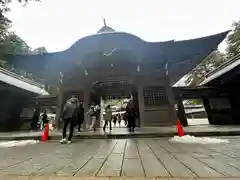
(188, 53)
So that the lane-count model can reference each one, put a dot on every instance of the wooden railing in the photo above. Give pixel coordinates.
(19, 77)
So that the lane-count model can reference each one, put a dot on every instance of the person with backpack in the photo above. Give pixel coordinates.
(69, 116)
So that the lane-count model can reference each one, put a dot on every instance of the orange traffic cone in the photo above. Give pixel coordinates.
(45, 133)
(180, 129)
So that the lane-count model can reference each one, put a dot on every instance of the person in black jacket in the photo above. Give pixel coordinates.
(69, 116)
(44, 119)
(131, 115)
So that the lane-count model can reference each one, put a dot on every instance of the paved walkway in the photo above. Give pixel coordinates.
(143, 132)
(122, 158)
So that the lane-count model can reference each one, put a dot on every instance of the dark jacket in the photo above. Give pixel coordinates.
(80, 111)
(70, 108)
(130, 109)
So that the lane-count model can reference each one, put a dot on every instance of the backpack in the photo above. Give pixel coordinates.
(70, 110)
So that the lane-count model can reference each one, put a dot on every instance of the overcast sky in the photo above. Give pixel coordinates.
(57, 24)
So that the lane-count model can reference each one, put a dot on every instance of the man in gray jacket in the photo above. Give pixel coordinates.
(69, 116)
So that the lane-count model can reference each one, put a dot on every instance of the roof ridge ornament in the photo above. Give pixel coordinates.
(104, 22)
(105, 28)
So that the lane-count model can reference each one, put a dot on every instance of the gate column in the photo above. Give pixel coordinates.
(86, 101)
(59, 109)
(141, 105)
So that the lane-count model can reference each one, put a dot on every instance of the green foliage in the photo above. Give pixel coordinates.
(198, 74)
(40, 50)
(113, 102)
(4, 9)
(5, 23)
(233, 40)
(196, 101)
(216, 58)
(13, 44)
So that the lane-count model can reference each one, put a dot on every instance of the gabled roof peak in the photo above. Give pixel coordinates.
(105, 28)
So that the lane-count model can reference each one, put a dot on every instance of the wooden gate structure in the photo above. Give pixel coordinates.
(108, 59)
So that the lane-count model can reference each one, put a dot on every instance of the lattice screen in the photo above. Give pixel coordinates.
(118, 94)
(154, 96)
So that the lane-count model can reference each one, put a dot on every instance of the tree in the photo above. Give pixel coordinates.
(13, 44)
(4, 9)
(198, 74)
(5, 23)
(233, 40)
(40, 50)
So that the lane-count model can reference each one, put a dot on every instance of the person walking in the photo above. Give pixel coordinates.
(93, 110)
(80, 116)
(119, 119)
(124, 117)
(69, 116)
(131, 115)
(114, 120)
(108, 118)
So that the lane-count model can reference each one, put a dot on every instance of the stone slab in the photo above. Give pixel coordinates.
(149, 158)
(132, 168)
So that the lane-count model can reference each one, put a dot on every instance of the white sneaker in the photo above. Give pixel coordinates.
(63, 141)
(69, 142)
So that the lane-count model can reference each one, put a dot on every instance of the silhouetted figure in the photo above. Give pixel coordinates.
(114, 120)
(124, 117)
(131, 115)
(119, 119)
(80, 116)
(108, 118)
(35, 119)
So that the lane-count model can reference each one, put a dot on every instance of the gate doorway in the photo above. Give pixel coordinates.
(116, 95)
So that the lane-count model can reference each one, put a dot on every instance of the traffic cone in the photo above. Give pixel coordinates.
(45, 133)
(180, 129)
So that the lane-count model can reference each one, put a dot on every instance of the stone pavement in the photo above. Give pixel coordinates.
(115, 158)
(108, 178)
(143, 132)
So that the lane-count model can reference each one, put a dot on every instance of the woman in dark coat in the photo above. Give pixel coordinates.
(131, 115)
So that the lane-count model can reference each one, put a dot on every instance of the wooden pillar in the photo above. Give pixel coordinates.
(181, 111)
(171, 100)
(141, 105)
(86, 101)
(59, 109)
(207, 107)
